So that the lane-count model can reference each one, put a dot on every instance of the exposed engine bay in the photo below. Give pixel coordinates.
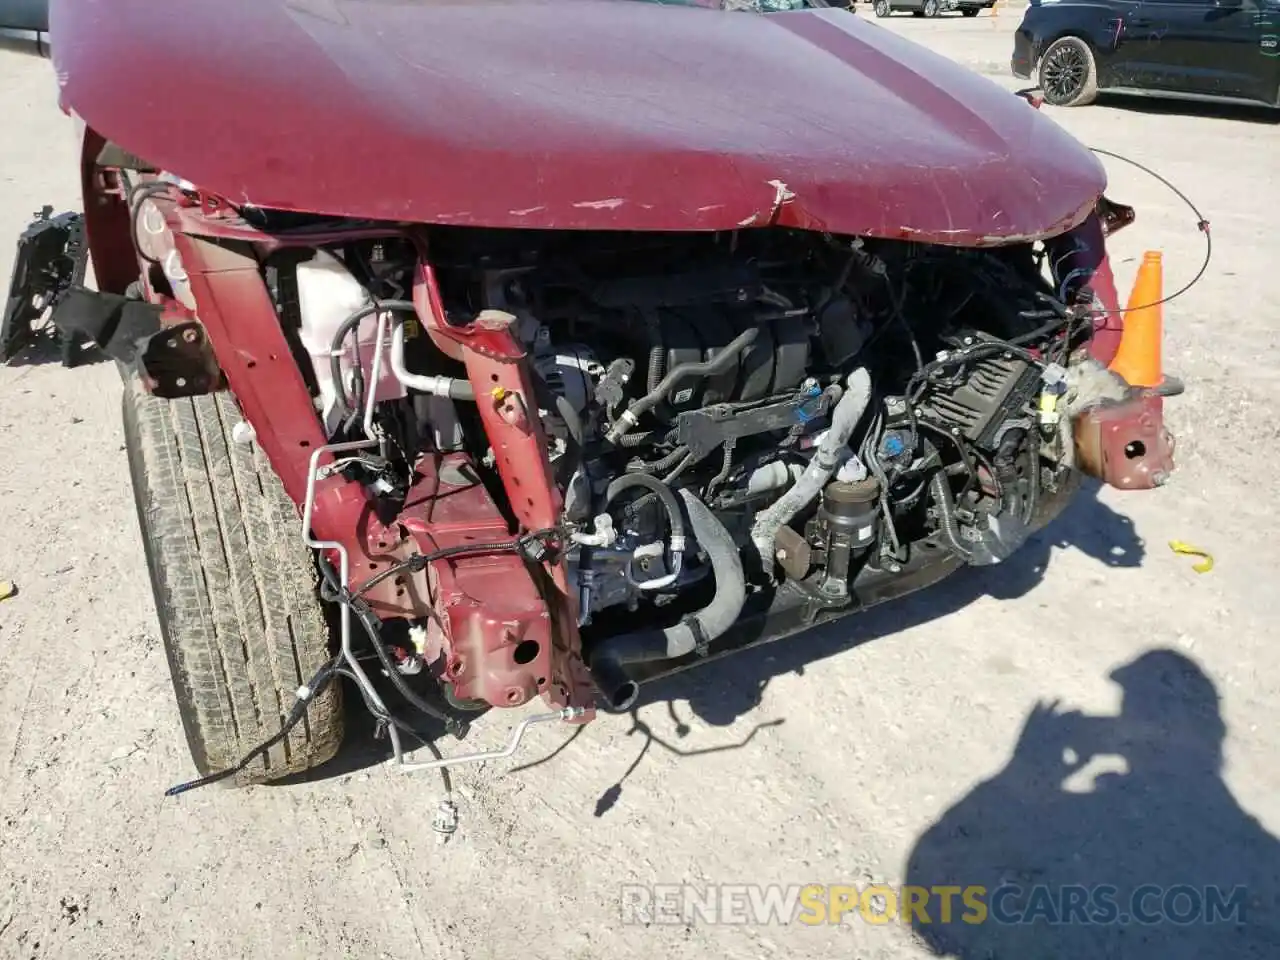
(568, 397)
(556, 464)
(726, 418)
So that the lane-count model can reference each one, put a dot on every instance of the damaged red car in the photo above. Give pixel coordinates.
(483, 353)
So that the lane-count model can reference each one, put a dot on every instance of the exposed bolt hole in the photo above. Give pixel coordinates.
(382, 544)
(304, 443)
(1135, 449)
(514, 696)
(468, 537)
(516, 481)
(251, 364)
(526, 651)
(529, 501)
(399, 591)
(373, 566)
(493, 377)
(542, 681)
(271, 357)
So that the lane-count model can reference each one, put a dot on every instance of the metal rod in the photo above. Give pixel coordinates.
(567, 713)
(371, 391)
(454, 388)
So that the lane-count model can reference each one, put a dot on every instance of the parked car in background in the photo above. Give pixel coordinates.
(1196, 49)
(931, 8)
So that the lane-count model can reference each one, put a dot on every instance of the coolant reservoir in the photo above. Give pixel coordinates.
(327, 295)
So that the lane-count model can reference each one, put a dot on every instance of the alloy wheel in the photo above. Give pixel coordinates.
(1065, 69)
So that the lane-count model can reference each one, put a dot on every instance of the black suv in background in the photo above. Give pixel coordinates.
(1198, 49)
(931, 8)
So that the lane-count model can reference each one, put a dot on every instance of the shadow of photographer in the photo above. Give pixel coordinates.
(1108, 836)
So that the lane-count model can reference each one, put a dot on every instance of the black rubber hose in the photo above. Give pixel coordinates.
(658, 489)
(548, 399)
(1006, 469)
(658, 466)
(719, 364)
(1033, 480)
(638, 439)
(369, 620)
(341, 334)
(607, 659)
(657, 363)
(946, 514)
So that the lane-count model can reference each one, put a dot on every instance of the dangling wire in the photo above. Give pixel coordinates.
(1201, 224)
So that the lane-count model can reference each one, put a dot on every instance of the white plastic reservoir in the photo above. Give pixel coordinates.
(327, 295)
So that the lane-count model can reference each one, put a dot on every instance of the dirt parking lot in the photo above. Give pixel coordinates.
(840, 757)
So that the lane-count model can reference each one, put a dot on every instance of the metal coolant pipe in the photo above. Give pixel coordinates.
(437, 386)
(844, 419)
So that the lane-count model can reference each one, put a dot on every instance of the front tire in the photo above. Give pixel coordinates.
(930, 8)
(883, 8)
(234, 586)
(1068, 75)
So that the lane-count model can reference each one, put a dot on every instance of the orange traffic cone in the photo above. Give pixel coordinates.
(1139, 359)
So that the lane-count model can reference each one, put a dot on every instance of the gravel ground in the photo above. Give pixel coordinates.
(826, 759)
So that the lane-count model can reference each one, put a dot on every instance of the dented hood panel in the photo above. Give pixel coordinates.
(586, 114)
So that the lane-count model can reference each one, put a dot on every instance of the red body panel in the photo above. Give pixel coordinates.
(502, 631)
(602, 114)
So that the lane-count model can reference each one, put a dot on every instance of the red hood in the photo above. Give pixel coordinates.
(589, 114)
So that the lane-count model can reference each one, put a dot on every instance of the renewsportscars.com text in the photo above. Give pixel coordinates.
(816, 904)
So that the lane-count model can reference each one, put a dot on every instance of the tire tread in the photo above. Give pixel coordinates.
(234, 586)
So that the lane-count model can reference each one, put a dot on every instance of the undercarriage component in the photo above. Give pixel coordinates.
(401, 762)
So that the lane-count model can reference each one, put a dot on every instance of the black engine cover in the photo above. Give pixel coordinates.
(996, 393)
(774, 364)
